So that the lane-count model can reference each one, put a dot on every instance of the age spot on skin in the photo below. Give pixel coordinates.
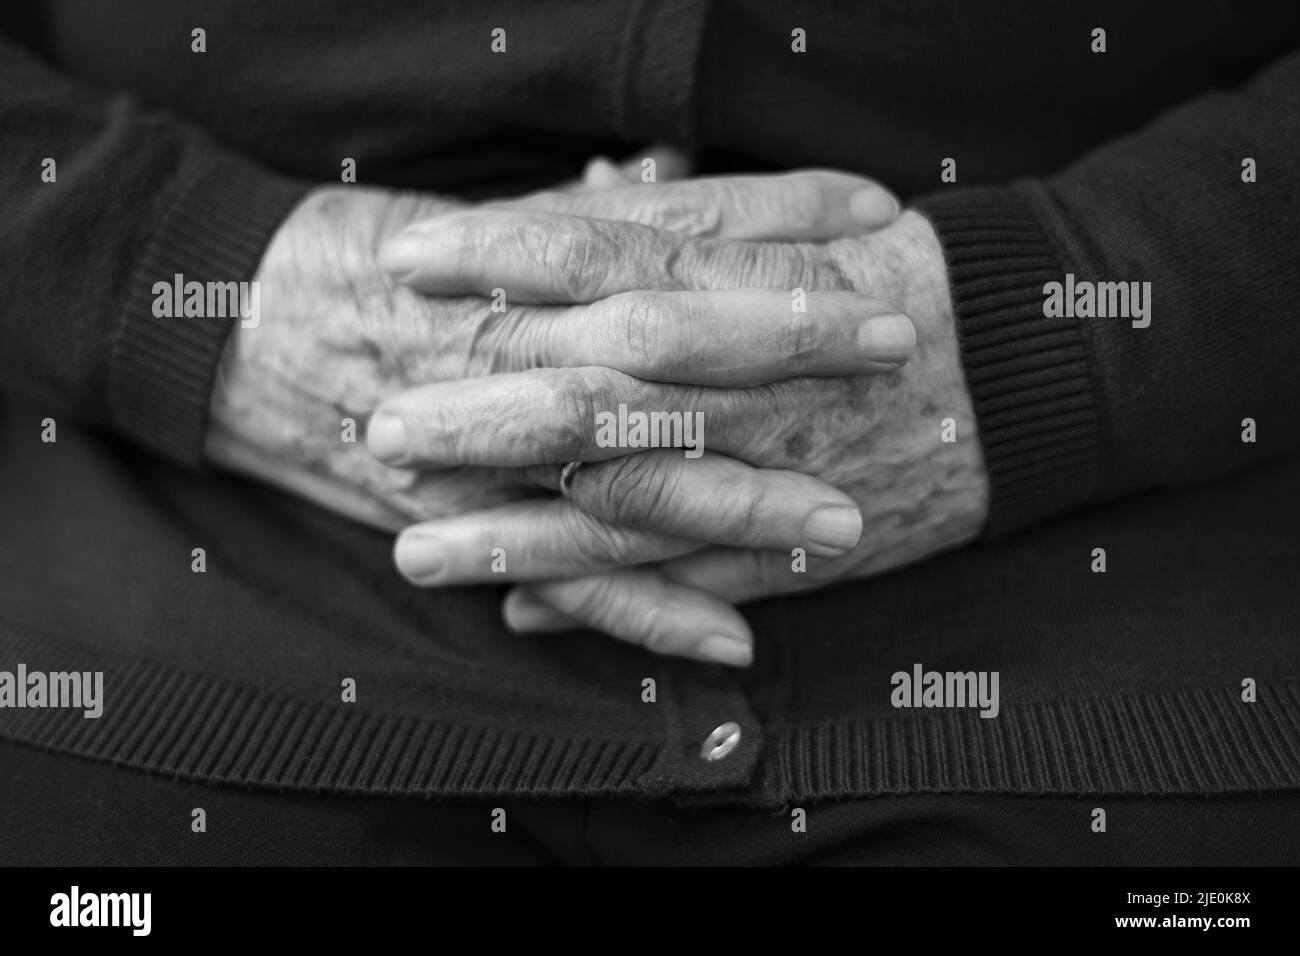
(797, 446)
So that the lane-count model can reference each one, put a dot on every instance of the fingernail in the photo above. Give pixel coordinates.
(725, 650)
(386, 437)
(420, 557)
(832, 531)
(887, 338)
(401, 256)
(525, 612)
(873, 207)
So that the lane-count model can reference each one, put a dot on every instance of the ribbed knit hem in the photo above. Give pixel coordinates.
(1029, 375)
(1189, 741)
(164, 720)
(161, 719)
(162, 370)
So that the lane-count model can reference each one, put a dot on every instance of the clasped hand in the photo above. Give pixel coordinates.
(839, 438)
(800, 319)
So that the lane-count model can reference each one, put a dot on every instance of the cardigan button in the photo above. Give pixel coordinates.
(721, 742)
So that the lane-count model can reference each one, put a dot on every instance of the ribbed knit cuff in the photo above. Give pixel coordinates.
(162, 369)
(1029, 376)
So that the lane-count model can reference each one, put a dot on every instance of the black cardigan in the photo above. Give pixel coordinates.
(1125, 165)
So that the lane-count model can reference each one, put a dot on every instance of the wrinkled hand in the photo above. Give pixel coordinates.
(880, 439)
(337, 336)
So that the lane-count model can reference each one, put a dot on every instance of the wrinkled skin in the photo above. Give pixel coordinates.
(337, 335)
(876, 437)
(322, 353)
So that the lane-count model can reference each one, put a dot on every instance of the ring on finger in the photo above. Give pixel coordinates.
(566, 477)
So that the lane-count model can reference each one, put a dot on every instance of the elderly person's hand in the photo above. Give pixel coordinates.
(336, 336)
(902, 445)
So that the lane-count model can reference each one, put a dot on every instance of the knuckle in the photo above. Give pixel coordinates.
(689, 210)
(521, 339)
(588, 540)
(748, 514)
(593, 600)
(789, 265)
(681, 262)
(575, 406)
(642, 321)
(802, 338)
(557, 246)
(595, 544)
(633, 490)
(576, 254)
(720, 264)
